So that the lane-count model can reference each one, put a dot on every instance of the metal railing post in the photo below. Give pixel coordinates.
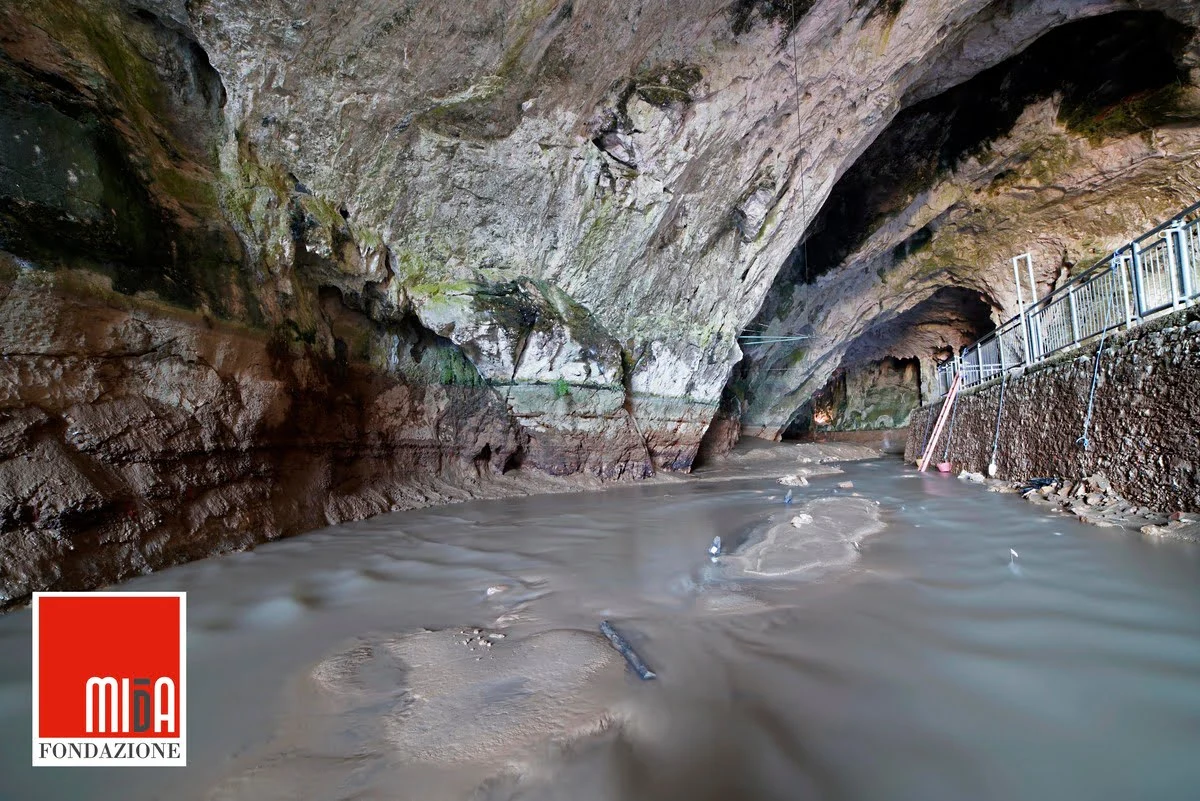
(979, 358)
(1037, 344)
(1035, 348)
(1000, 348)
(1124, 288)
(1028, 326)
(1021, 305)
(1017, 281)
(1185, 267)
(1139, 285)
(1191, 235)
(1173, 268)
(1074, 314)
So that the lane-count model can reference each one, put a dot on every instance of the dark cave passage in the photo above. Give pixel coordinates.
(878, 383)
(927, 327)
(864, 396)
(1116, 74)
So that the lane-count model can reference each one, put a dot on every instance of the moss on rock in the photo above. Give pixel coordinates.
(1137, 114)
(667, 84)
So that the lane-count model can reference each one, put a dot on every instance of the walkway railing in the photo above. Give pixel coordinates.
(1157, 272)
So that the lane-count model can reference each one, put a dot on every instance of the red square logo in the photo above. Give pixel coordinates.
(109, 673)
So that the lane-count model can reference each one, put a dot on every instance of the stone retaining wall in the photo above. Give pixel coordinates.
(1145, 428)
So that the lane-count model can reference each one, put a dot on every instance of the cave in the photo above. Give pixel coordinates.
(879, 382)
(863, 396)
(501, 400)
(965, 312)
(1114, 75)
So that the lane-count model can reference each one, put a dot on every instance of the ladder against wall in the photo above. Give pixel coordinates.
(951, 397)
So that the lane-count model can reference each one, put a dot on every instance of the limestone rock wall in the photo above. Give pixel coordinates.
(878, 395)
(133, 437)
(1143, 433)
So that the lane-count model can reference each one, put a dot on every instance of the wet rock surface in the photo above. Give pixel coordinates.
(1091, 500)
(205, 439)
(1182, 526)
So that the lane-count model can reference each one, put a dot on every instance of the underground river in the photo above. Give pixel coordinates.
(886, 646)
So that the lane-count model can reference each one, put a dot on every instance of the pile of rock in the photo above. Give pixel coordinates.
(1092, 500)
(475, 639)
(1181, 526)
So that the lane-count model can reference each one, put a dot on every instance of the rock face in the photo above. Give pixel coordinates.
(401, 246)
(134, 437)
(879, 395)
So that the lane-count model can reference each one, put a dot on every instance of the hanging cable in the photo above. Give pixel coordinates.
(1087, 419)
(950, 431)
(996, 439)
(929, 426)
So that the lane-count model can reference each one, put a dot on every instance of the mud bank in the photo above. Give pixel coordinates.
(451, 712)
(755, 458)
(823, 535)
(888, 440)
(1142, 435)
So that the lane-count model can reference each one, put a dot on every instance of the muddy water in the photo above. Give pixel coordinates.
(884, 647)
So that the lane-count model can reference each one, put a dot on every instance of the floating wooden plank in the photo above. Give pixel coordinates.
(626, 650)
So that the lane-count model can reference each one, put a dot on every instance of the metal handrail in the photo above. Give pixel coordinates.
(1155, 273)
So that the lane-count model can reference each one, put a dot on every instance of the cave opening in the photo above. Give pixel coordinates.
(1111, 75)
(875, 395)
(878, 382)
(801, 426)
(952, 316)
(1117, 73)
